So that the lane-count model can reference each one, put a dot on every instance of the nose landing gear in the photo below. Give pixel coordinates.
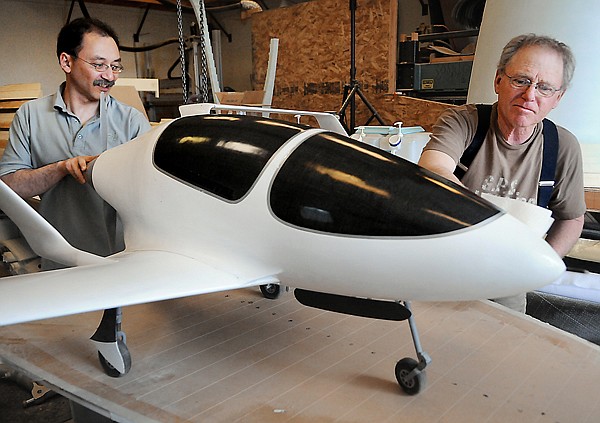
(111, 343)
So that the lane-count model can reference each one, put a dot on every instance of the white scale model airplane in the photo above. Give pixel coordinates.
(219, 202)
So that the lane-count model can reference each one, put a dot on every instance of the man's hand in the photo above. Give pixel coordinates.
(76, 167)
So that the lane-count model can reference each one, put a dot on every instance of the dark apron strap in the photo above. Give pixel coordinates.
(550, 157)
(484, 112)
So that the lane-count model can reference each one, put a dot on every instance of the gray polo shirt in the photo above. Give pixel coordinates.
(43, 131)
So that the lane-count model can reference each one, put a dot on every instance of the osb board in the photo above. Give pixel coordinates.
(408, 110)
(237, 357)
(592, 199)
(313, 63)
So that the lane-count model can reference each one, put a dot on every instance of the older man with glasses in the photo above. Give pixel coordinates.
(52, 139)
(509, 149)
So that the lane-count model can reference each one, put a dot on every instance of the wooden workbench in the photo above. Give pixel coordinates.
(236, 356)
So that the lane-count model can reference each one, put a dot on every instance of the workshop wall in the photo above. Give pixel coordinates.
(29, 28)
(314, 51)
(314, 59)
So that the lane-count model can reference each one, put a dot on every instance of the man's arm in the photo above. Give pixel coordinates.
(563, 234)
(440, 163)
(31, 182)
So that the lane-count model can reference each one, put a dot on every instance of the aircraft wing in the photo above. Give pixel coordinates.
(123, 279)
(42, 237)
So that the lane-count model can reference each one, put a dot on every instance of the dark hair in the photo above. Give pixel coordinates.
(527, 40)
(71, 35)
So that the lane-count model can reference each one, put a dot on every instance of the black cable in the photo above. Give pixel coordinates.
(153, 46)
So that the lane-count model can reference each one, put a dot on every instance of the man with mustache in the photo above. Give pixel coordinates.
(53, 139)
(532, 76)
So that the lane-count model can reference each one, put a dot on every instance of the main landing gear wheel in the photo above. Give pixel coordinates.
(270, 290)
(409, 377)
(125, 355)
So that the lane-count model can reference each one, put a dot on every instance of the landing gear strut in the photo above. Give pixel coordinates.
(111, 343)
(410, 373)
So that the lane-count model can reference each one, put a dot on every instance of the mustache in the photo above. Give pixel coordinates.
(103, 83)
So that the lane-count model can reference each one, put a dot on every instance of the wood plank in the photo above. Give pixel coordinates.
(141, 84)
(23, 94)
(5, 120)
(11, 104)
(3, 141)
(21, 87)
(235, 356)
(21, 91)
(450, 59)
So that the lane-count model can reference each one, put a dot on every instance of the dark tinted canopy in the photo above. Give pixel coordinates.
(338, 185)
(221, 154)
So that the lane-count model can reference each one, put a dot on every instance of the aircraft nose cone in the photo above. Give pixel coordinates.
(545, 265)
(525, 259)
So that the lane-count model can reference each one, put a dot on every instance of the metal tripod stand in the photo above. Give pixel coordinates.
(353, 88)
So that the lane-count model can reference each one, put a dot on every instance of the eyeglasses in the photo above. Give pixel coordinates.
(103, 67)
(541, 88)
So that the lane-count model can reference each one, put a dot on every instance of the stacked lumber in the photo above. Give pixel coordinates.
(11, 98)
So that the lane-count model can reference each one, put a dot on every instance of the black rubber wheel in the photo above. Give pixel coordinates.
(270, 290)
(124, 351)
(413, 385)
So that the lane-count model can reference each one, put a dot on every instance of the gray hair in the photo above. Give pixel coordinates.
(527, 40)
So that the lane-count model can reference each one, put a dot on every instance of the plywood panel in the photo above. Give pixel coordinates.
(314, 59)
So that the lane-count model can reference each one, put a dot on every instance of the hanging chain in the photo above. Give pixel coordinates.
(203, 62)
(182, 52)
